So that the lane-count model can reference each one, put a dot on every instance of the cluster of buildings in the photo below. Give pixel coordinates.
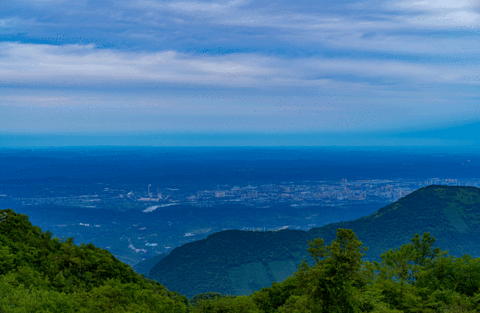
(296, 193)
(319, 191)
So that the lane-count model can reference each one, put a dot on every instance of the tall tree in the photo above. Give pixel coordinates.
(330, 283)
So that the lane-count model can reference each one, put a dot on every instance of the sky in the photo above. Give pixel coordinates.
(240, 73)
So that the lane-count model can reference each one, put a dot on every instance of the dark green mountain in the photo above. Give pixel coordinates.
(239, 262)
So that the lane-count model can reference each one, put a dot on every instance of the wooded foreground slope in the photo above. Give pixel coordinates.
(39, 273)
(239, 262)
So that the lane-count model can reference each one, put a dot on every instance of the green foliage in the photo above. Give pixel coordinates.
(6, 259)
(329, 285)
(39, 273)
(241, 304)
(419, 278)
(16, 297)
(3, 217)
(114, 296)
(194, 301)
(270, 299)
(296, 304)
(413, 278)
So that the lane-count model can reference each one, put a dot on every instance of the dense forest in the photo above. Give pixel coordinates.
(415, 277)
(39, 273)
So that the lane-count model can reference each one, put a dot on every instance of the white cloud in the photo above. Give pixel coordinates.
(434, 5)
(83, 64)
(392, 33)
(195, 7)
(440, 13)
(209, 7)
(77, 62)
(9, 22)
(450, 19)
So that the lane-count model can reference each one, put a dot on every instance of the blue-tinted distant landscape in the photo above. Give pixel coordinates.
(140, 202)
(186, 165)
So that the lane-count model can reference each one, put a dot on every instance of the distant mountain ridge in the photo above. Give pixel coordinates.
(240, 262)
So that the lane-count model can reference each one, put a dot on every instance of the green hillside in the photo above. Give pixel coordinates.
(416, 277)
(39, 273)
(240, 262)
(451, 214)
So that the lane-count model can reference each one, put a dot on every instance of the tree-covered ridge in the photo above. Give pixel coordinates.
(40, 273)
(204, 264)
(451, 214)
(416, 277)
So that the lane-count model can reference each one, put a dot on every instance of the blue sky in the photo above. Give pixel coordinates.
(149, 72)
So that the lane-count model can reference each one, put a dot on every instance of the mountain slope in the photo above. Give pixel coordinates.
(451, 214)
(39, 273)
(239, 262)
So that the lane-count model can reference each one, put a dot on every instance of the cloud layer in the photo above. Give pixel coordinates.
(238, 65)
(75, 64)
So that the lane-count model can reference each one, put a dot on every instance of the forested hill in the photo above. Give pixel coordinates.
(239, 262)
(39, 273)
(451, 214)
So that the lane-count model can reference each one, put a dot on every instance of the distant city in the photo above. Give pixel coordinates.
(296, 193)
